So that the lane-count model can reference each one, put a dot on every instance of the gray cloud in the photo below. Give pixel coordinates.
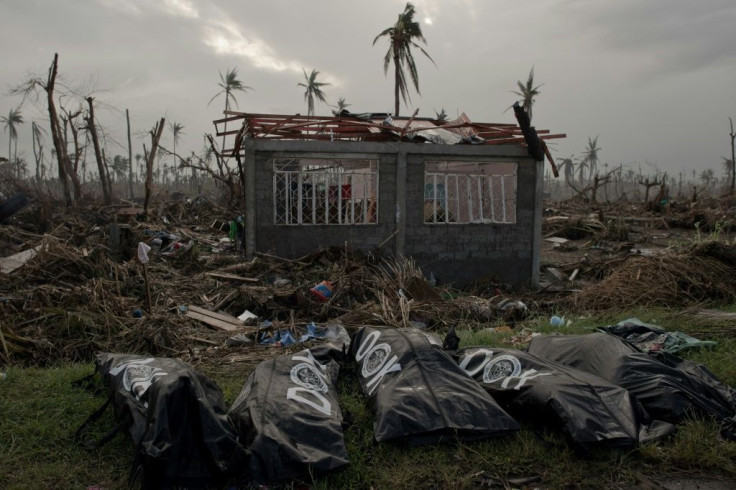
(652, 78)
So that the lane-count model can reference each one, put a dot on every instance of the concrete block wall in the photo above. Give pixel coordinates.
(454, 253)
(296, 241)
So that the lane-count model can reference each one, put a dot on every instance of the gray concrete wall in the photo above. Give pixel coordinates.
(296, 241)
(454, 253)
(461, 253)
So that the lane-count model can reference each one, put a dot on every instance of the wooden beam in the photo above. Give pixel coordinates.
(219, 321)
(231, 277)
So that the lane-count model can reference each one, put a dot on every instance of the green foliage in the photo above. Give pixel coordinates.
(718, 234)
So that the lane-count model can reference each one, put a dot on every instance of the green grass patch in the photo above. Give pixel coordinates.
(40, 412)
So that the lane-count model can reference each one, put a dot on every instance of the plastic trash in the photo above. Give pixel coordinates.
(143, 250)
(652, 338)
(557, 321)
(238, 339)
(248, 318)
(137, 313)
(279, 337)
(313, 332)
(322, 291)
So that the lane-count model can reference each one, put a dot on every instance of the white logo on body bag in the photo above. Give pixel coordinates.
(311, 378)
(377, 361)
(505, 368)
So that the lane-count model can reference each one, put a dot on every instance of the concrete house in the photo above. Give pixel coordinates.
(463, 199)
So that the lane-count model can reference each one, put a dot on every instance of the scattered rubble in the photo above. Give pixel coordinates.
(72, 285)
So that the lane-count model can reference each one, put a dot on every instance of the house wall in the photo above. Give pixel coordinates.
(455, 253)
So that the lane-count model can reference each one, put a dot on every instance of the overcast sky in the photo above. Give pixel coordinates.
(654, 79)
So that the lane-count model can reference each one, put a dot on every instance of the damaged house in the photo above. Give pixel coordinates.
(463, 199)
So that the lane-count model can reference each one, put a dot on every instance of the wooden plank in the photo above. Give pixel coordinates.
(130, 211)
(556, 239)
(16, 261)
(220, 316)
(212, 322)
(231, 277)
(220, 321)
(557, 273)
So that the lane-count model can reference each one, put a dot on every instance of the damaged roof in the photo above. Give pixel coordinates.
(347, 126)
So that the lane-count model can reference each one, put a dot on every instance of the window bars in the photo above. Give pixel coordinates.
(470, 192)
(311, 191)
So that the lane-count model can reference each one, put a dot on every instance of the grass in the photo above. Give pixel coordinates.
(41, 411)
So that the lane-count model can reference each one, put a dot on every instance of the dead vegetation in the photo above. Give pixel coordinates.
(697, 274)
(71, 285)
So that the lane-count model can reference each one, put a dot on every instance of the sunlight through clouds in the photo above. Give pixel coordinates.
(226, 38)
(176, 8)
(182, 8)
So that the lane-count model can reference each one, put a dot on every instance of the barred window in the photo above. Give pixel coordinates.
(311, 191)
(470, 192)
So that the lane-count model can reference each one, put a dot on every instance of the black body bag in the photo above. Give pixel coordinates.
(591, 411)
(177, 419)
(667, 386)
(418, 393)
(289, 418)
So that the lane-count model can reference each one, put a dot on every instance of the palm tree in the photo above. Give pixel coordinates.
(582, 165)
(527, 92)
(138, 157)
(440, 117)
(313, 89)
(177, 129)
(119, 167)
(341, 106)
(402, 37)
(590, 155)
(728, 168)
(13, 118)
(568, 169)
(706, 176)
(229, 84)
(37, 134)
